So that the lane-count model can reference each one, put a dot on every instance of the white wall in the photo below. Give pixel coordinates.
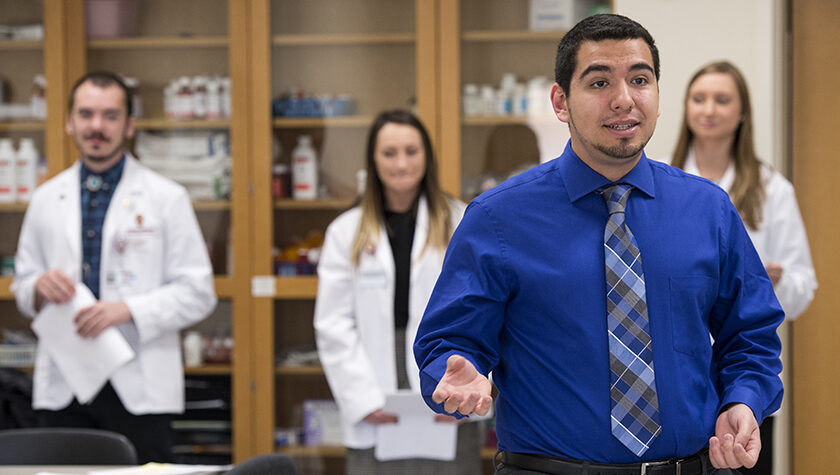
(691, 33)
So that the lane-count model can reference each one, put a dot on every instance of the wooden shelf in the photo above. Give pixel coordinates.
(166, 124)
(313, 122)
(152, 42)
(209, 369)
(302, 370)
(21, 126)
(343, 39)
(495, 120)
(326, 451)
(11, 45)
(13, 207)
(303, 287)
(511, 35)
(215, 205)
(335, 204)
(223, 284)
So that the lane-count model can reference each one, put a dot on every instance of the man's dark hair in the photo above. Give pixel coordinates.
(102, 79)
(605, 26)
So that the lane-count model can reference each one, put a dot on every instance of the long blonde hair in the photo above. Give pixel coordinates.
(372, 201)
(747, 193)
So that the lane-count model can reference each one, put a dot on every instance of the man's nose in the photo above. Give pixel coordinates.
(622, 100)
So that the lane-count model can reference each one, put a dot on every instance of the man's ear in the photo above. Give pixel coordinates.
(559, 101)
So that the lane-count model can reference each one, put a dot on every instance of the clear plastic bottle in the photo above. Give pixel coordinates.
(8, 188)
(304, 170)
(26, 169)
(38, 100)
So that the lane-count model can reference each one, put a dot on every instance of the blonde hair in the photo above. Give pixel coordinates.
(747, 192)
(372, 202)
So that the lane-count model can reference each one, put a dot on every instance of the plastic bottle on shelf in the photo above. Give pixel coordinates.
(26, 169)
(214, 99)
(8, 188)
(199, 98)
(227, 109)
(38, 101)
(304, 170)
(133, 85)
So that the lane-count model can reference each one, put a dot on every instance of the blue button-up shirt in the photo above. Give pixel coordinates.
(95, 201)
(522, 294)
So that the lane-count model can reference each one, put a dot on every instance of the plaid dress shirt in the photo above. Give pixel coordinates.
(95, 201)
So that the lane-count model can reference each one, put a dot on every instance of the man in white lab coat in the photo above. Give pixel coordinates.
(132, 238)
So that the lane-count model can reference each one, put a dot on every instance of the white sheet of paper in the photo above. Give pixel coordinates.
(416, 435)
(164, 469)
(85, 363)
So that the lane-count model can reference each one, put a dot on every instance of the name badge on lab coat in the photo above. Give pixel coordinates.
(372, 278)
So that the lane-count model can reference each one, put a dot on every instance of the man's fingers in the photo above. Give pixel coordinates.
(440, 394)
(452, 403)
(483, 406)
(744, 458)
(716, 453)
(729, 452)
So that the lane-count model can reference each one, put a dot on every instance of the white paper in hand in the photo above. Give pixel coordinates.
(85, 363)
(416, 435)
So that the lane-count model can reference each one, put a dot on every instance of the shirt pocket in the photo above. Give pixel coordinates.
(691, 299)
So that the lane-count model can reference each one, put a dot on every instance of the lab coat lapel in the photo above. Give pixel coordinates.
(69, 210)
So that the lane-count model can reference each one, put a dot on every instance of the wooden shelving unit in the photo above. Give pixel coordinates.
(511, 35)
(21, 126)
(166, 124)
(342, 39)
(316, 122)
(159, 42)
(22, 45)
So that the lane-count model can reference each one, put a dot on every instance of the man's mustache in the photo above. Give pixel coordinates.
(97, 135)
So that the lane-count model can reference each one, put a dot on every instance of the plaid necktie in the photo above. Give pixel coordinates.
(634, 404)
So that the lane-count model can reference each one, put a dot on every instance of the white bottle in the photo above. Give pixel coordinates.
(26, 169)
(214, 98)
(192, 349)
(8, 188)
(304, 170)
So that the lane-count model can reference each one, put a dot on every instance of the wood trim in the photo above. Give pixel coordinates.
(262, 217)
(75, 66)
(426, 68)
(55, 60)
(449, 105)
(238, 66)
(816, 379)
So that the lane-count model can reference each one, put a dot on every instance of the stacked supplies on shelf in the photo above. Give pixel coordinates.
(198, 160)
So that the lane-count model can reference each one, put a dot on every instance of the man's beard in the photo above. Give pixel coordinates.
(624, 150)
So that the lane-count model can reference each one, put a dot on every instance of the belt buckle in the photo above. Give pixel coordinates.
(646, 465)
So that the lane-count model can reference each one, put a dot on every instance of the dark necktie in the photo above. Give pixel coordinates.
(634, 412)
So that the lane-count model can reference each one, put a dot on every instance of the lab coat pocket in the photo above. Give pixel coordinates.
(691, 298)
(139, 250)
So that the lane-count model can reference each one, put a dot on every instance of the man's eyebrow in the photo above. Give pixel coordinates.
(606, 69)
(641, 66)
(594, 68)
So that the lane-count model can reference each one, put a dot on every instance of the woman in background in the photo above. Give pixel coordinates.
(716, 142)
(379, 263)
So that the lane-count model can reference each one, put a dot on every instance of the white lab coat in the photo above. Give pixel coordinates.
(354, 317)
(153, 258)
(780, 238)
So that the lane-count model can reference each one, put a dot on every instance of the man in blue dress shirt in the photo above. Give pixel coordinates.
(522, 291)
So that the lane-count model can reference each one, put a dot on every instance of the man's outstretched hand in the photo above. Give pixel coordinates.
(463, 388)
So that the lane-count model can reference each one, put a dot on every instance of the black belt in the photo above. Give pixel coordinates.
(691, 465)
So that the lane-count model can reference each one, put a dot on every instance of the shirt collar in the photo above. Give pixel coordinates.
(580, 179)
(110, 176)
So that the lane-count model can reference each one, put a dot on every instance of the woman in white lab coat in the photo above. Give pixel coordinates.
(378, 266)
(716, 142)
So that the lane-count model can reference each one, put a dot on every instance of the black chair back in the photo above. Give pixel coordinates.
(274, 464)
(65, 446)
